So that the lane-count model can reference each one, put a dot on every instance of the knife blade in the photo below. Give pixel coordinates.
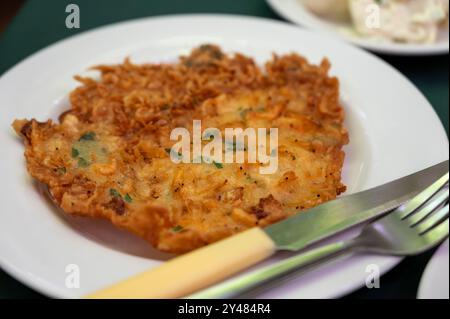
(203, 267)
(330, 218)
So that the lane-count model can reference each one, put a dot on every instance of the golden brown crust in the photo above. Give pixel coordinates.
(106, 158)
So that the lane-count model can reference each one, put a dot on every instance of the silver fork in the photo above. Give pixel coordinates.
(415, 227)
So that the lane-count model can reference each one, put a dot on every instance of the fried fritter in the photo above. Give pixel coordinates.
(108, 158)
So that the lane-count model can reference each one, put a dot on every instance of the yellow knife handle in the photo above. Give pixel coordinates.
(196, 270)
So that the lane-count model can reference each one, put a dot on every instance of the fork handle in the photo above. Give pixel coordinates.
(246, 282)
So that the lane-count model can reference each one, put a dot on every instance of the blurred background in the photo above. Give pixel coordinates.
(7, 11)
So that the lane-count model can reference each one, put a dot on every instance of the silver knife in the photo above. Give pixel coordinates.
(330, 218)
(206, 266)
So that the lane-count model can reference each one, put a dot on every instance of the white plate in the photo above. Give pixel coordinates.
(296, 12)
(394, 132)
(435, 279)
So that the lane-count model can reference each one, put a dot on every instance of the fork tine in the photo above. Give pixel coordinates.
(433, 220)
(411, 206)
(428, 208)
(438, 233)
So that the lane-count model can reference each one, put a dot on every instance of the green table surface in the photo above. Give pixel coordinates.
(42, 22)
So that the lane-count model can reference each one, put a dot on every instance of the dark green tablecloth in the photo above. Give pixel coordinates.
(42, 22)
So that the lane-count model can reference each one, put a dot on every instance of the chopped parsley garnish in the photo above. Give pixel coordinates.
(61, 170)
(177, 229)
(207, 160)
(243, 113)
(218, 165)
(75, 152)
(128, 198)
(170, 151)
(82, 162)
(114, 193)
(89, 136)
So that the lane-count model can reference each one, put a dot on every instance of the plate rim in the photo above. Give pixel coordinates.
(435, 262)
(49, 291)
